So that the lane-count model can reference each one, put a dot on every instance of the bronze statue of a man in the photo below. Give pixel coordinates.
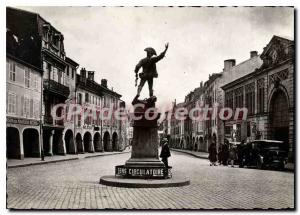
(149, 69)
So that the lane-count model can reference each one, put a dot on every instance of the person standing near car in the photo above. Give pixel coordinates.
(240, 153)
(212, 150)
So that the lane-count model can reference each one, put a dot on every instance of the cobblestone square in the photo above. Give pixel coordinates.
(75, 185)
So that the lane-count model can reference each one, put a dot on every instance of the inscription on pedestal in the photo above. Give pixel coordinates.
(143, 172)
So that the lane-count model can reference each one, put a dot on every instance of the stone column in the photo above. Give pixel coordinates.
(50, 151)
(109, 148)
(61, 144)
(21, 146)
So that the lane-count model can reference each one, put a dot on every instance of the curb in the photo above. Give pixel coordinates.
(203, 157)
(190, 153)
(62, 160)
(41, 163)
(93, 156)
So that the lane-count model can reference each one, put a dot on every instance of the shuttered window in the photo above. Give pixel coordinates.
(12, 71)
(27, 77)
(11, 103)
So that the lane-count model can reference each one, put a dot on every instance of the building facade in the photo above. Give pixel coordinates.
(198, 122)
(268, 94)
(111, 127)
(177, 135)
(23, 96)
(42, 84)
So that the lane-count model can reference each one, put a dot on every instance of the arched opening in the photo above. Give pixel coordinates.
(46, 142)
(115, 140)
(106, 140)
(87, 141)
(201, 142)
(58, 145)
(79, 143)
(279, 117)
(69, 140)
(97, 142)
(31, 143)
(13, 149)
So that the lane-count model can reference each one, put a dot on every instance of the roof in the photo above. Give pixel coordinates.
(267, 141)
(269, 45)
(32, 13)
(95, 87)
(69, 60)
(252, 67)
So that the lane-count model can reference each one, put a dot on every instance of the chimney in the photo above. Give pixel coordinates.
(228, 64)
(104, 83)
(201, 84)
(253, 54)
(91, 75)
(83, 73)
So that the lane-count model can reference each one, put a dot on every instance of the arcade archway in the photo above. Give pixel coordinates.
(106, 139)
(97, 142)
(31, 143)
(279, 117)
(87, 141)
(12, 143)
(115, 141)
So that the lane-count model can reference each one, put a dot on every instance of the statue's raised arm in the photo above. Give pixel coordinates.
(149, 68)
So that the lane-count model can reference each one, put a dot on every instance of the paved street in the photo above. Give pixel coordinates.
(74, 185)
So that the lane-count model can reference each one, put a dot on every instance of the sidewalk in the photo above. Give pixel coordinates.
(12, 163)
(203, 155)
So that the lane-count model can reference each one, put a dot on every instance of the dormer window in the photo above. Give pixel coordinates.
(56, 39)
(46, 29)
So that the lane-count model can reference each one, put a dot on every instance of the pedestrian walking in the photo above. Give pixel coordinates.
(165, 154)
(220, 157)
(212, 150)
(225, 153)
(232, 154)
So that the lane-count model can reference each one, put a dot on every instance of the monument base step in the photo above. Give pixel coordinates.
(118, 181)
(144, 162)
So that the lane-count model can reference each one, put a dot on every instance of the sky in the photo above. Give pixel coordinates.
(111, 41)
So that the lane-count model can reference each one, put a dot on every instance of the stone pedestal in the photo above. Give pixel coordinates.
(144, 162)
(145, 143)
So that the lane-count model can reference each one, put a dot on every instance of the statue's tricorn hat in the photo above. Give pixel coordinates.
(150, 50)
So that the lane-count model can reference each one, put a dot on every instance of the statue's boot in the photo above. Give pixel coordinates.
(151, 93)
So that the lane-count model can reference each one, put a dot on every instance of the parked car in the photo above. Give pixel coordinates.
(265, 153)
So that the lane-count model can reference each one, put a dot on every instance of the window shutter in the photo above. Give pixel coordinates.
(17, 105)
(22, 105)
(31, 108)
(6, 102)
